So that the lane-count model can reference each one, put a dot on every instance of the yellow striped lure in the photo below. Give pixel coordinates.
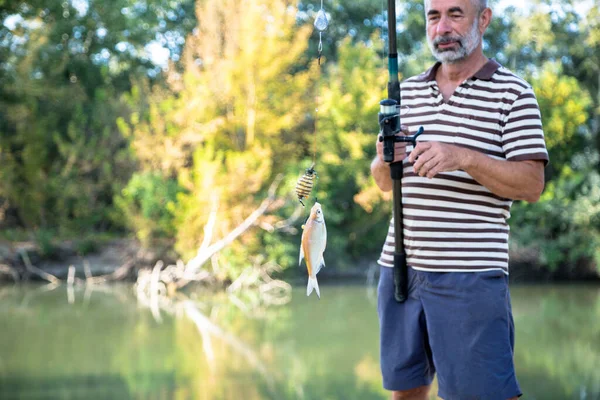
(305, 184)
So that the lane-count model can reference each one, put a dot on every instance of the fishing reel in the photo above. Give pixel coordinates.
(389, 125)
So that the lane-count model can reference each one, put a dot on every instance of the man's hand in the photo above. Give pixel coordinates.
(431, 158)
(399, 147)
(381, 169)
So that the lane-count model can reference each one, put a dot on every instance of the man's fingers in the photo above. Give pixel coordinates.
(422, 160)
(419, 149)
(424, 167)
(437, 168)
(399, 151)
(428, 167)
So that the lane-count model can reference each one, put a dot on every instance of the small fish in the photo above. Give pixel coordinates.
(314, 240)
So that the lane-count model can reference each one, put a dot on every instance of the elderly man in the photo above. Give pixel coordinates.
(483, 147)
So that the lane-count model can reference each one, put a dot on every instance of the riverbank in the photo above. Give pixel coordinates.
(103, 257)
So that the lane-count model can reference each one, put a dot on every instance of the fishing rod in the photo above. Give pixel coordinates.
(389, 123)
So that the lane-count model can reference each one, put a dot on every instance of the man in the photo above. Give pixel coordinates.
(483, 147)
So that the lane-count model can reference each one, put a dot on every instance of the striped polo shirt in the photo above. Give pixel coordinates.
(451, 222)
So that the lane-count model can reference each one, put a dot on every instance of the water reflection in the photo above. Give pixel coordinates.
(558, 341)
(106, 346)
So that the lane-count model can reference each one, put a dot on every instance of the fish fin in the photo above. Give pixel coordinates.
(321, 264)
(313, 284)
(301, 255)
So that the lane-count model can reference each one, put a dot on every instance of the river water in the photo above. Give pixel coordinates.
(102, 343)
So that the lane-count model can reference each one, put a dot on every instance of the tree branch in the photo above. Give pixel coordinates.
(195, 263)
(35, 270)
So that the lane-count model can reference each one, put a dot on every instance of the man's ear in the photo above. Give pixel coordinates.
(484, 19)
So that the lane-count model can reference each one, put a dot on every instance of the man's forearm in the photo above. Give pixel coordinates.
(381, 173)
(516, 180)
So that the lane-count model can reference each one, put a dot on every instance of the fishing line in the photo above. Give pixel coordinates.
(306, 182)
(320, 24)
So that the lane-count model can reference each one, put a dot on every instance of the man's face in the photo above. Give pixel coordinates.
(453, 30)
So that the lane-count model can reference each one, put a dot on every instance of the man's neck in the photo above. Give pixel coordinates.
(456, 73)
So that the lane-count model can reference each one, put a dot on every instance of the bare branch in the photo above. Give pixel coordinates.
(205, 324)
(210, 225)
(286, 225)
(195, 263)
(156, 285)
(35, 270)
(116, 275)
(87, 270)
(71, 275)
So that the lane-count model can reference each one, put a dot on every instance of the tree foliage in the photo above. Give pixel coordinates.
(65, 66)
(347, 131)
(564, 106)
(230, 123)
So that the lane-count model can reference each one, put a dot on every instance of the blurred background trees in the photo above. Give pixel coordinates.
(137, 118)
(65, 70)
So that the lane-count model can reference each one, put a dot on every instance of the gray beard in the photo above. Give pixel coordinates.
(466, 45)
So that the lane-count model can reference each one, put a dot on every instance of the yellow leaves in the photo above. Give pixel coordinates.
(355, 142)
(533, 30)
(239, 85)
(247, 171)
(331, 158)
(341, 118)
(124, 128)
(233, 174)
(563, 104)
(234, 177)
(231, 114)
(370, 196)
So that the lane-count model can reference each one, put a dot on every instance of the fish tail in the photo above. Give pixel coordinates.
(313, 284)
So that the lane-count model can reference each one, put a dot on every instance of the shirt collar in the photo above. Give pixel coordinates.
(486, 72)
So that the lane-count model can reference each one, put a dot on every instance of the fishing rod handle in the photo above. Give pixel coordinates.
(400, 277)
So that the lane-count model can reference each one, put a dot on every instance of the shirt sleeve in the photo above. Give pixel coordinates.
(523, 136)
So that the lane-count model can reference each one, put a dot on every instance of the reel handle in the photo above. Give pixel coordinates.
(410, 139)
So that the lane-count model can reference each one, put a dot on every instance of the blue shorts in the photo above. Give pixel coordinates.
(456, 324)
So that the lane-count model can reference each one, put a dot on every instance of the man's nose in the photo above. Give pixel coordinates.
(443, 26)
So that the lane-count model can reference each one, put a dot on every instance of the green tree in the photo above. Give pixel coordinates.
(354, 207)
(564, 106)
(554, 31)
(589, 56)
(564, 224)
(65, 66)
(235, 118)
